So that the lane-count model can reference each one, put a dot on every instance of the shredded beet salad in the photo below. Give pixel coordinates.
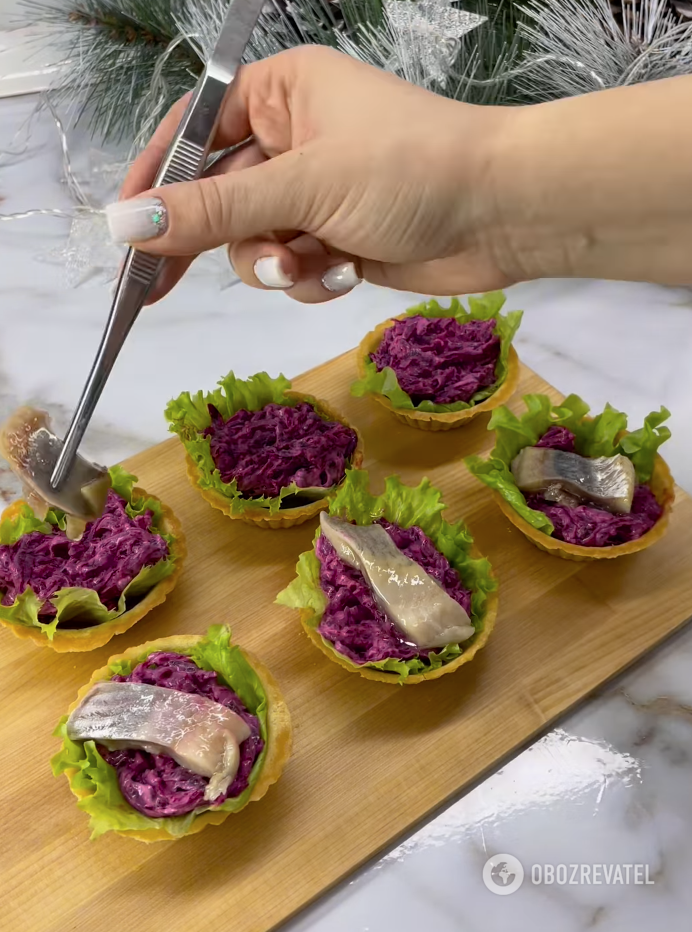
(108, 556)
(438, 359)
(352, 620)
(267, 450)
(154, 784)
(588, 525)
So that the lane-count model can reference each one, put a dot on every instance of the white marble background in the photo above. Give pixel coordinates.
(614, 783)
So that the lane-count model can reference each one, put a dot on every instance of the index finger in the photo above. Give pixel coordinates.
(143, 170)
(234, 127)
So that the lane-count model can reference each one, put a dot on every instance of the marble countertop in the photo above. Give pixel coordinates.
(613, 784)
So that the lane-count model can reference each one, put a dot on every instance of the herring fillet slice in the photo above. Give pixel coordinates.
(608, 481)
(25, 438)
(200, 734)
(422, 610)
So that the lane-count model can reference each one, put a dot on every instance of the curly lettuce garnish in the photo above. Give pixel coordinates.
(405, 506)
(601, 435)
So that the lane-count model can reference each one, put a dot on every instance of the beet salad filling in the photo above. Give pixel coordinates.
(353, 622)
(108, 556)
(154, 784)
(438, 359)
(589, 525)
(268, 450)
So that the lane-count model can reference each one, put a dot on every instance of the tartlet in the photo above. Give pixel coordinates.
(459, 563)
(423, 413)
(194, 418)
(81, 620)
(602, 435)
(95, 783)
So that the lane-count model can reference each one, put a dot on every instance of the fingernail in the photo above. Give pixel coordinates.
(341, 277)
(137, 219)
(268, 270)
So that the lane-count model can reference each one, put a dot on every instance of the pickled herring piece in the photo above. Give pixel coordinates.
(412, 599)
(198, 733)
(31, 449)
(608, 481)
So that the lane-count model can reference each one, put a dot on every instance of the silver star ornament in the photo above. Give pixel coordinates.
(428, 31)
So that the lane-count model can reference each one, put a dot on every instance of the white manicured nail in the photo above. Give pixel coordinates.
(341, 277)
(137, 219)
(268, 270)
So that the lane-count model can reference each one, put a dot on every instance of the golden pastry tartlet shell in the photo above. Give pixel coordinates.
(81, 639)
(661, 484)
(429, 420)
(369, 673)
(288, 517)
(279, 737)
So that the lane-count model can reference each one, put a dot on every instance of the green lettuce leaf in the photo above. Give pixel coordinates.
(406, 506)
(23, 523)
(188, 416)
(601, 435)
(488, 305)
(104, 803)
(642, 445)
(77, 602)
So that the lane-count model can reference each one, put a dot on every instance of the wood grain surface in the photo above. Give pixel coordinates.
(370, 759)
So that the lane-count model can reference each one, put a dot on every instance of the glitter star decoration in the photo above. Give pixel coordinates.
(429, 31)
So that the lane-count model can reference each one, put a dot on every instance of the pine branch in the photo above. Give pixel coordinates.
(118, 30)
(488, 52)
(113, 47)
(130, 20)
(129, 60)
(578, 46)
(361, 11)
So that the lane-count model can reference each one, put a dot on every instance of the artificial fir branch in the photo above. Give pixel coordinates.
(130, 59)
(113, 47)
(648, 44)
(624, 9)
(117, 30)
(488, 57)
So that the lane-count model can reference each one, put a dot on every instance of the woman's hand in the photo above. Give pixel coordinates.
(351, 173)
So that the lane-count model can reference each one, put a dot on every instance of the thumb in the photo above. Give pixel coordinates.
(190, 217)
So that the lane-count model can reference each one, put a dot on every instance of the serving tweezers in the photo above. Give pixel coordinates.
(185, 160)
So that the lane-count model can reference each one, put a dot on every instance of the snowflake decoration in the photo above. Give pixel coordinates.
(429, 31)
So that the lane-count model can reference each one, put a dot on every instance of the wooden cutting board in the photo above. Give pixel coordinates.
(370, 760)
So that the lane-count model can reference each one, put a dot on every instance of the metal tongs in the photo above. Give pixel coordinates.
(185, 161)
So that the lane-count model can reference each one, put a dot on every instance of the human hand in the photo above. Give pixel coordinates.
(351, 172)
